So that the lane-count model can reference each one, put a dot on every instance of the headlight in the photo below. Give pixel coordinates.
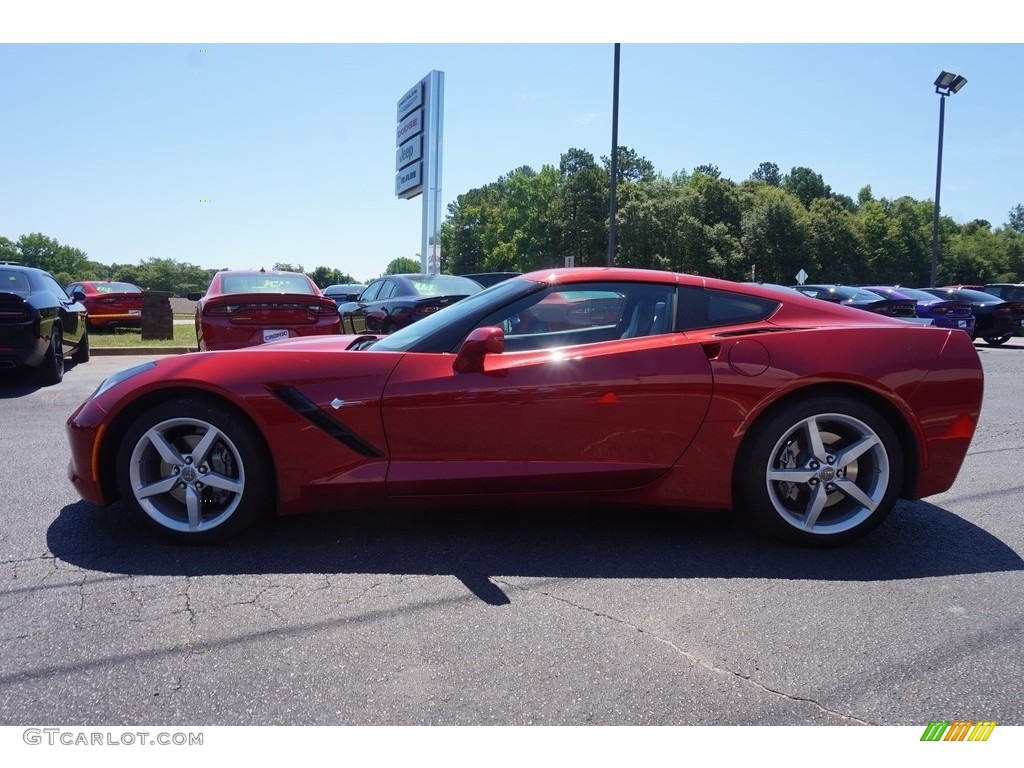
(117, 378)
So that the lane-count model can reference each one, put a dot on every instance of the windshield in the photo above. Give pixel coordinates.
(464, 312)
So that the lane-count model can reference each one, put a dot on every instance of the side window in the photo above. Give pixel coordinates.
(585, 313)
(52, 285)
(707, 308)
(72, 288)
(388, 290)
(371, 291)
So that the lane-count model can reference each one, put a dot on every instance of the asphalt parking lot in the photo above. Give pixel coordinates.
(538, 617)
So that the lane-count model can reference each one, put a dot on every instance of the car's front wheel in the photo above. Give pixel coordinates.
(195, 471)
(821, 472)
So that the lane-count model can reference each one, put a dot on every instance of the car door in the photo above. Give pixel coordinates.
(353, 318)
(376, 313)
(602, 403)
(72, 313)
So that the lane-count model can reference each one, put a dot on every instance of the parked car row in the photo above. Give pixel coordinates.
(977, 310)
(244, 308)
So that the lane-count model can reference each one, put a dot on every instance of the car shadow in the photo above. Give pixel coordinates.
(980, 345)
(24, 381)
(919, 540)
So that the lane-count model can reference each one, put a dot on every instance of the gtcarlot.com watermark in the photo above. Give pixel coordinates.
(73, 737)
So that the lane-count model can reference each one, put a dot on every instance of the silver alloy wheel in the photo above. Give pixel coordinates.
(187, 475)
(827, 474)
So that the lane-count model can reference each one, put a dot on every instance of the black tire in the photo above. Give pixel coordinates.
(822, 472)
(52, 369)
(996, 341)
(82, 353)
(195, 472)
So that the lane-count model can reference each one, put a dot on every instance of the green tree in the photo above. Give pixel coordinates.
(9, 250)
(884, 250)
(38, 250)
(1016, 218)
(834, 242)
(646, 237)
(581, 209)
(974, 254)
(806, 186)
(403, 265)
(325, 276)
(630, 167)
(768, 173)
(775, 236)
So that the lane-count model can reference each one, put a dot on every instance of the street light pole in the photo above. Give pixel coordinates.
(613, 204)
(946, 84)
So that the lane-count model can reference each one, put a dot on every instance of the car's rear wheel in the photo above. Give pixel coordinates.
(196, 472)
(52, 369)
(821, 472)
(996, 341)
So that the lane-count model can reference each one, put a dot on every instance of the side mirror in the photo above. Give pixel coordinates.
(78, 295)
(480, 343)
(193, 296)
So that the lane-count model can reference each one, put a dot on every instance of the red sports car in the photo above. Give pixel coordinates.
(110, 303)
(247, 308)
(680, 391)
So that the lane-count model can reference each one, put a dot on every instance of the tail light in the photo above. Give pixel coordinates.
(14, 314)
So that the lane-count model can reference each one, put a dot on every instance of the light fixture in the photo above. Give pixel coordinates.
(946, 84)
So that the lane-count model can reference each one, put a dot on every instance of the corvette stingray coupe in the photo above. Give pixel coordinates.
(571, 387)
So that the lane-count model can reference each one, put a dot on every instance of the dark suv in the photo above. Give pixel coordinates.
(39, 323)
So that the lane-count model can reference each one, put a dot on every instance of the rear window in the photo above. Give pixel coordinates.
(441, 285)
(12, 280)
(266, 284)
(116, 288)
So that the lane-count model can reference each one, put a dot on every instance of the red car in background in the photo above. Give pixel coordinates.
(243, 308)
(110, 303)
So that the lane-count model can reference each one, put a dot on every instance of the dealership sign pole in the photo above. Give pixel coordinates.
(418, 139)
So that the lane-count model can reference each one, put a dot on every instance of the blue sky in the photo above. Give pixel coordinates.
(115, 148)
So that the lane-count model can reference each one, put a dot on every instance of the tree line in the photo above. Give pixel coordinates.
(767, 227)
(69, 264)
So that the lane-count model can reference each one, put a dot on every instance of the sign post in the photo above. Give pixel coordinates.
(418, 139)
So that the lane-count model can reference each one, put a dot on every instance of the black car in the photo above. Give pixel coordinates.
(1006, 291)
(343, 292)
(996, 320)
(394, 301)
(861, 298)
(39, 323)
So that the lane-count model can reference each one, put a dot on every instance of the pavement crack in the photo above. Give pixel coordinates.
(693, 658)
